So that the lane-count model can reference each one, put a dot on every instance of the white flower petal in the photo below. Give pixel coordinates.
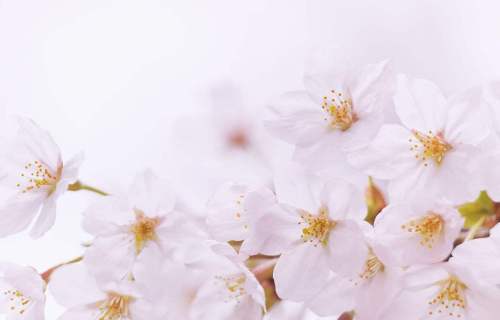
(227, 216)
(46, 218)
(374, 297)
(388, 156)
(482, 256)
(111, 258)
(107, 215)
(39, 143)
(298, 188)
(301, 272)
(347, 248)
(343, 200)
(274, 232)
(420, 104)
(466, 126)
(371, 81)
(82, 291)
(151, 195)
(336, 297)
(18, 212)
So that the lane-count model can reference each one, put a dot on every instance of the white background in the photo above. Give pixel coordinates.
(116, 78)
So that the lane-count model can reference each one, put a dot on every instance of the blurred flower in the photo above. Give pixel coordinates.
(124, 226)
(22, 294)
(34, 176)
(228, 136)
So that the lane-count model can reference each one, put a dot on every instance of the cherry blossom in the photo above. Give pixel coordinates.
(369, 292)
(218, 285)
(418, 232)
(434, 148)
(230, 292)
(298, 240)
(335, 115)
(315, 230)
(22, 293)
(144, 219)
(86, 298)
(444, 291)
(34, 177)
(233, 212)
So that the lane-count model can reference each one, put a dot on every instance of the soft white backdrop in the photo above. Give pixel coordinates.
(116, 79)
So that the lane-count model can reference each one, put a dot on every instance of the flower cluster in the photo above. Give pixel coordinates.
(384, 210)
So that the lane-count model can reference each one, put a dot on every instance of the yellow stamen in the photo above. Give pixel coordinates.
(450, 299)
(17, 301)
(234, 286)
(339, 110)
(37, 175)
(116, 307)
(144, 230)
(429, 228)
(429, 146)
(318, 226)
(372, 266)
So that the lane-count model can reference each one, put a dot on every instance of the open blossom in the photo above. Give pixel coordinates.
(314, 230)
(22, 293)
(334, 116)
(125, 226)
(169, 285)
(217, 286)
(228, 135)
(231, 290)
(446, 292)
(419, 232)
(85, 298)
(434, 148)
(369, 291)
(33, 177)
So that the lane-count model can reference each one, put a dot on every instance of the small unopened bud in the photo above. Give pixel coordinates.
(375, 201)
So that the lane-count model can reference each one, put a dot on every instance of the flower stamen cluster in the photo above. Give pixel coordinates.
(339, 110)
(429, 228)
(143, 230)
(429, 146)
(450, 299)
(318, 226)
(116, 307)
(38, 175)
(18, 301)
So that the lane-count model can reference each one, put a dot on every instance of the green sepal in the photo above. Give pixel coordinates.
(483, 206)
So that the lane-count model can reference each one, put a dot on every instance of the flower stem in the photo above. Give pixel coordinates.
(78, 185)
(475, 228)
(46, 274)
